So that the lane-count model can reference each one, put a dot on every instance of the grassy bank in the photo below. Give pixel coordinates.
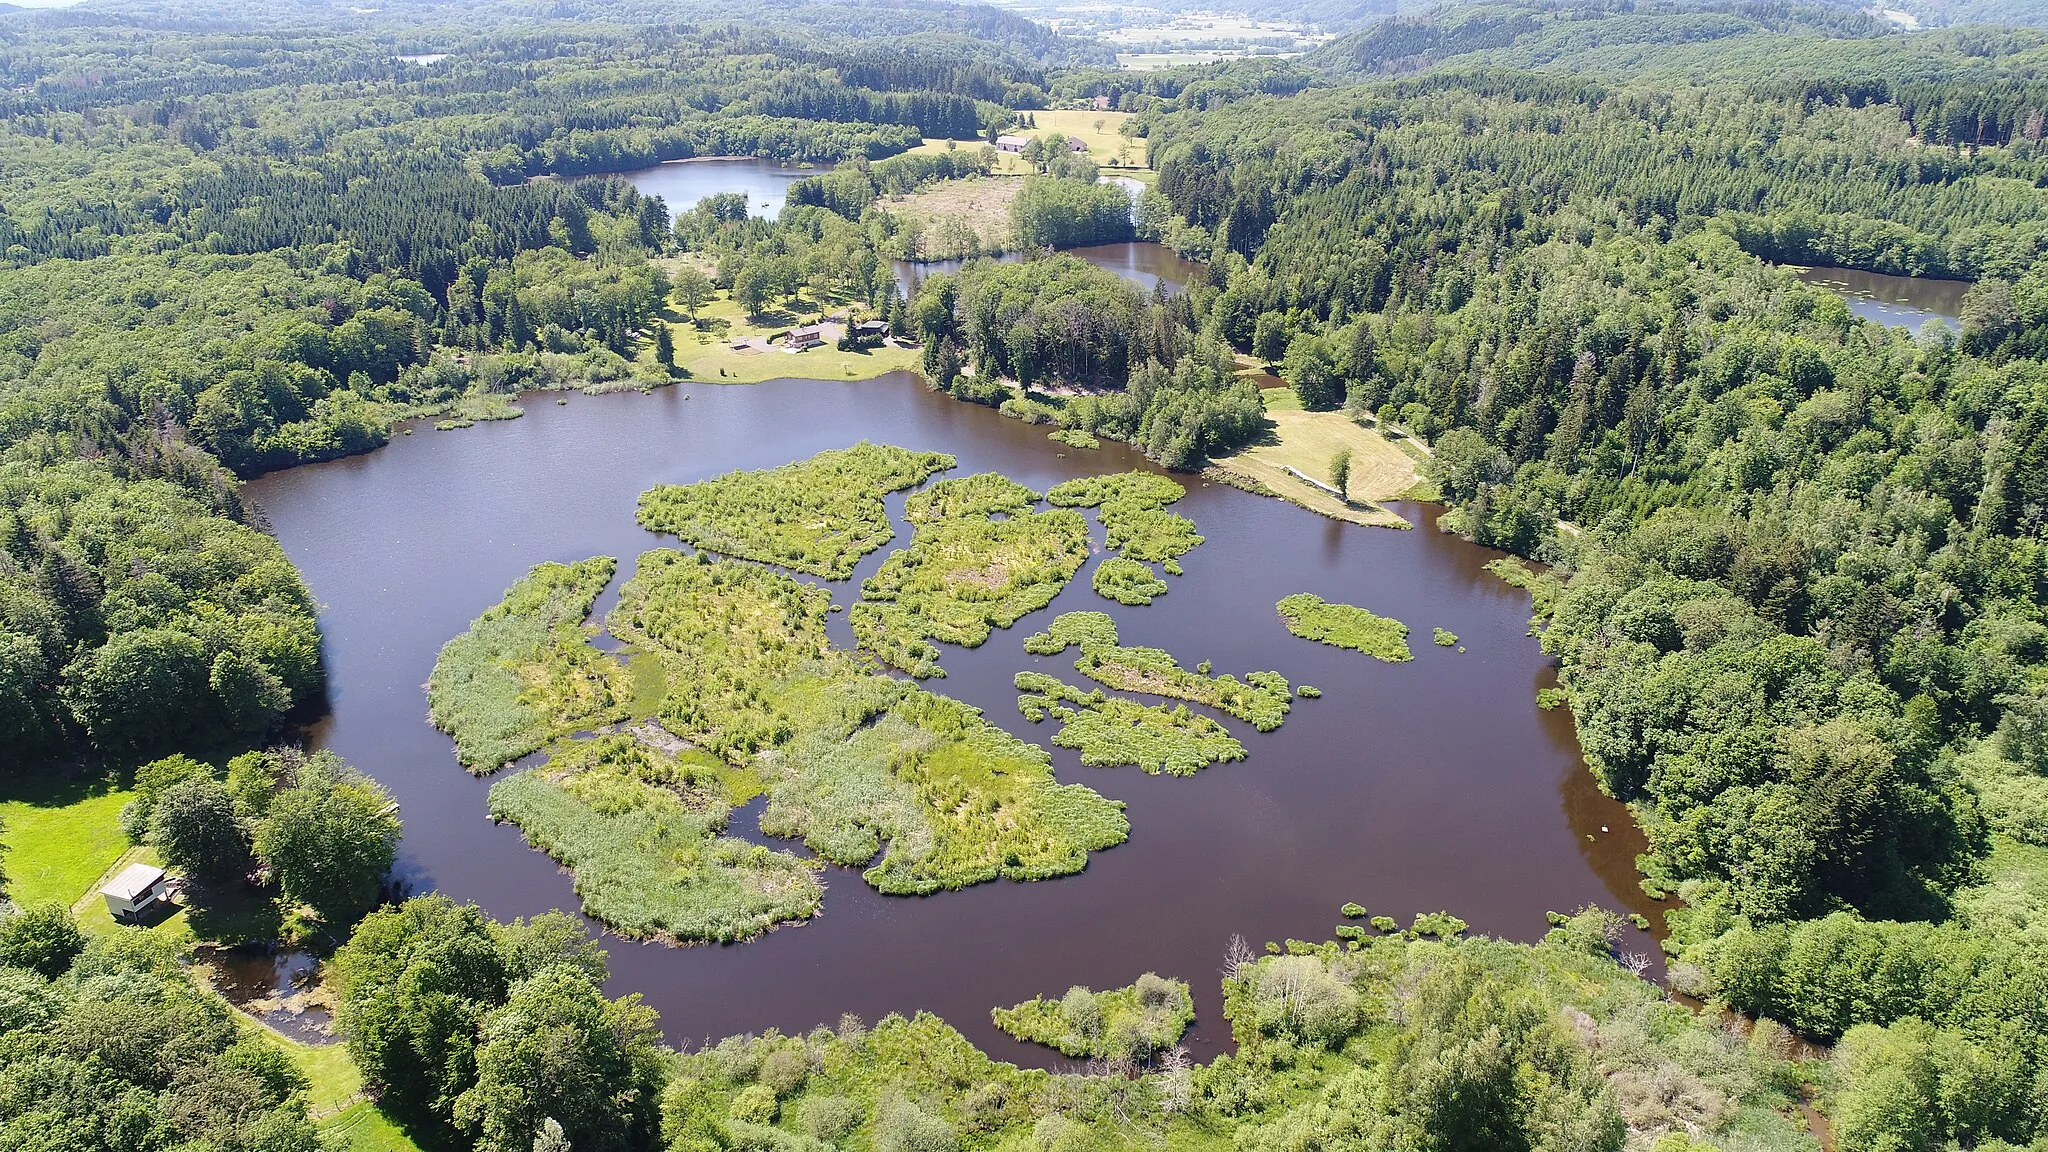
(59, 837)
(705, 349)
(1299, 443)
(1365, 1043)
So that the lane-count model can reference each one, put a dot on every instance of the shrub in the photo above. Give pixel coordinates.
(1345, 626)
(43, 939)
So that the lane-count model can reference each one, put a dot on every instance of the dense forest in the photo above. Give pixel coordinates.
(1793, 577)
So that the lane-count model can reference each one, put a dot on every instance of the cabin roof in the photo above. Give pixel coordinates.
(133, 881)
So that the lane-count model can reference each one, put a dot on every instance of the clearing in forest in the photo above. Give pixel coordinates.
(1301, 443)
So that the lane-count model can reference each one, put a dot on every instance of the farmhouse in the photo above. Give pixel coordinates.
(1008, 143)
(135, 891)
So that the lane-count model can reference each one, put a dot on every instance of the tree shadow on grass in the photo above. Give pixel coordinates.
(57, 787)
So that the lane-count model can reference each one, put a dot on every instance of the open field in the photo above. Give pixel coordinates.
(1106, 146)
(706, 354)
(1306, 441)
(943, 214)
(1117, 154)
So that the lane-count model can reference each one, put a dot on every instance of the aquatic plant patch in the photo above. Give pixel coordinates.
(1127, 581)
(963, 497)
(1110, 731)
(1128, 1023)
(1132, 509)
(525, 673)
(854, 763)
(1261, 699)
(640, 830)
(965, 573)
(819, 515)
(1346, 626)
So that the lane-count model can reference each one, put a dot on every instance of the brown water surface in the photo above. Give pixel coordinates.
(1434, 784)
(1893, 301)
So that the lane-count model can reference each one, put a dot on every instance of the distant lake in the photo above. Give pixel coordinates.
(684, 182)
(1893, 300)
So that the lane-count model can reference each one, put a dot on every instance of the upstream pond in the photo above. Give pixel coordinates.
(1434, 784)
(1893, 301)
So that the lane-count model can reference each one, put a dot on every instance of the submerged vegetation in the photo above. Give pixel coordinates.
(525, 673)
(1261, 699)
(1122, 1024)
(819, 515)
(1345, 626)
(640, 830)
(1110, 731)
(854, 763)
(1127, 581)
(965, 572)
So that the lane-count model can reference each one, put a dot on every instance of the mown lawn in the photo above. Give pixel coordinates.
(705, 351)
(55, 840)
(362, 1128)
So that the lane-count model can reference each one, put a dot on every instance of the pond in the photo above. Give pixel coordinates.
(1893, 300)
(681, 183)
(1434, 784)
(279, 987)
(1142, 262)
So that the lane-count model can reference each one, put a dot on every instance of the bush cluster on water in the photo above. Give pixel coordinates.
(1122, 1024)
(640, 830)
(1127, 581)
(1345, 626)
(853, 762)
(819, 515)
(1109, 730)
(1261, 699)
(965, 572)
(1133, 514)
(525, 672)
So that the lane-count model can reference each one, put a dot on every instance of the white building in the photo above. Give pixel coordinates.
(134, 891)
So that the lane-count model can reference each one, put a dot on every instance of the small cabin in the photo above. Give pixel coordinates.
(809, 336)
(1008, 143)
(135, 891)
(871, 329)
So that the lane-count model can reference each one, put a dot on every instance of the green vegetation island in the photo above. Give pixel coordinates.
(1559, 265)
